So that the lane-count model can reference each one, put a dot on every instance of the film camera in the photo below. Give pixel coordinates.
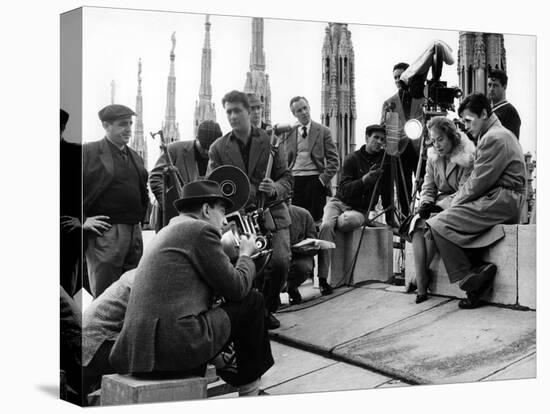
(235, 185)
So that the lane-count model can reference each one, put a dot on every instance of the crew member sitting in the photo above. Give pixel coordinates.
(360, 173)
(301, 265)
(493, 194)
(172, 324)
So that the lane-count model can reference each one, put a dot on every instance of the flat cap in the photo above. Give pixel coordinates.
(114, 112)
(254, 100)
(208, 132)
(374, 127)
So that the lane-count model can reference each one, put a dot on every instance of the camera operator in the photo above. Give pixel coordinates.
(407, 107)
(248, 148)
(172, 325)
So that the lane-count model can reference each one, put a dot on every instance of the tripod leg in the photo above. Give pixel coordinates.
(404, 182)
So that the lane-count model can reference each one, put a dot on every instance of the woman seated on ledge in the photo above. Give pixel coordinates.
(449, 164)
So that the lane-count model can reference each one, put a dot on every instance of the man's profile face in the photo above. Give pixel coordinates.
(216, 215)
(495, 90)
(238, 116)
(119, 131)
(396, 76)
(375, 142)
(300, 109)
(472, 122)
(256, 115)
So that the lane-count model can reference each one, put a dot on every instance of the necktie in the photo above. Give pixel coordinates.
(304, 132)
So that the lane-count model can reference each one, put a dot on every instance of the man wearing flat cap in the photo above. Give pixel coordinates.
(256, 111)
(115, 195)
(190, 159)
(177, 282)
(347, 210)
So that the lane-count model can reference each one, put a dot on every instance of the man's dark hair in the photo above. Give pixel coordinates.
(401, 65)
(475, 103)
(499, 75)
(64, 118)
(236, 96)
(296, 99)
(196, 206)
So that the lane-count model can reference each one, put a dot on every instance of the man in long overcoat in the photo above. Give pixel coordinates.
(493, 194)
(172, 322)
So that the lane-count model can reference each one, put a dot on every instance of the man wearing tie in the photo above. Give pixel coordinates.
(313, 159)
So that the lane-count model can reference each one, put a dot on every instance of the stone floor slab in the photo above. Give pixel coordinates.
(525, 368)
(336, 377)
(344, 317)
(447, 345)
(291, 363)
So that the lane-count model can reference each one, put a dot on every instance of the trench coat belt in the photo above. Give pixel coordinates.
(516, 189)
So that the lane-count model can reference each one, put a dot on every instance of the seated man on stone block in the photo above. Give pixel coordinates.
(348, 208)
(101, 324)
(302, 227)
(493, 194)
(174, 325)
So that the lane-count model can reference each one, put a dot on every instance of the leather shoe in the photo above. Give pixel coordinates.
(294, 297)
(325, 288)
(272, 322)
(471, 302)
(478, 278)
(421, 297)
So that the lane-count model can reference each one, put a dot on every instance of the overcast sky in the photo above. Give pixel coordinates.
(114, 40)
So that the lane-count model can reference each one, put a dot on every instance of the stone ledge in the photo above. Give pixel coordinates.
(126, 389)
(515, 258)
(375, 259)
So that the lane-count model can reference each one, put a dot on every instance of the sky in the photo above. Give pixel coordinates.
(114, 40)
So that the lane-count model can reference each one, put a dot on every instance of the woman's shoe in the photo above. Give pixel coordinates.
(421, 298)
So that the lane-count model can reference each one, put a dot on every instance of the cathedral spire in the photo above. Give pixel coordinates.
(257, 56)
(478, 53)
(170, 127)
(138, 143)
(338, 87)
(257, 81)
(204, 108)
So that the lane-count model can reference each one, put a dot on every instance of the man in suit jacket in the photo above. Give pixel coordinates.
(248, 148)
(313, 159)
(172, 322)
(115, 192)
(191, 160)
(406, 107)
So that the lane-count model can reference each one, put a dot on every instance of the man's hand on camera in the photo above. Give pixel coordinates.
(373, 174)
(267, 186)
(247, 245)
(96, 224)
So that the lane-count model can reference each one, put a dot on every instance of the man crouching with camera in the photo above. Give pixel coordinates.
(172, 325)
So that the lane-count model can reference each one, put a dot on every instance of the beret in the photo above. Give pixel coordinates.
(114, 112)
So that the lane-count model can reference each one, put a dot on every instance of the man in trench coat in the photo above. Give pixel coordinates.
(493, 194)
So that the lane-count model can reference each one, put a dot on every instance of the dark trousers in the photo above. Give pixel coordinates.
(455, 258)
(250, 337)
(274, 277)
(310, 194)
(301, 268)
(97, 367)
